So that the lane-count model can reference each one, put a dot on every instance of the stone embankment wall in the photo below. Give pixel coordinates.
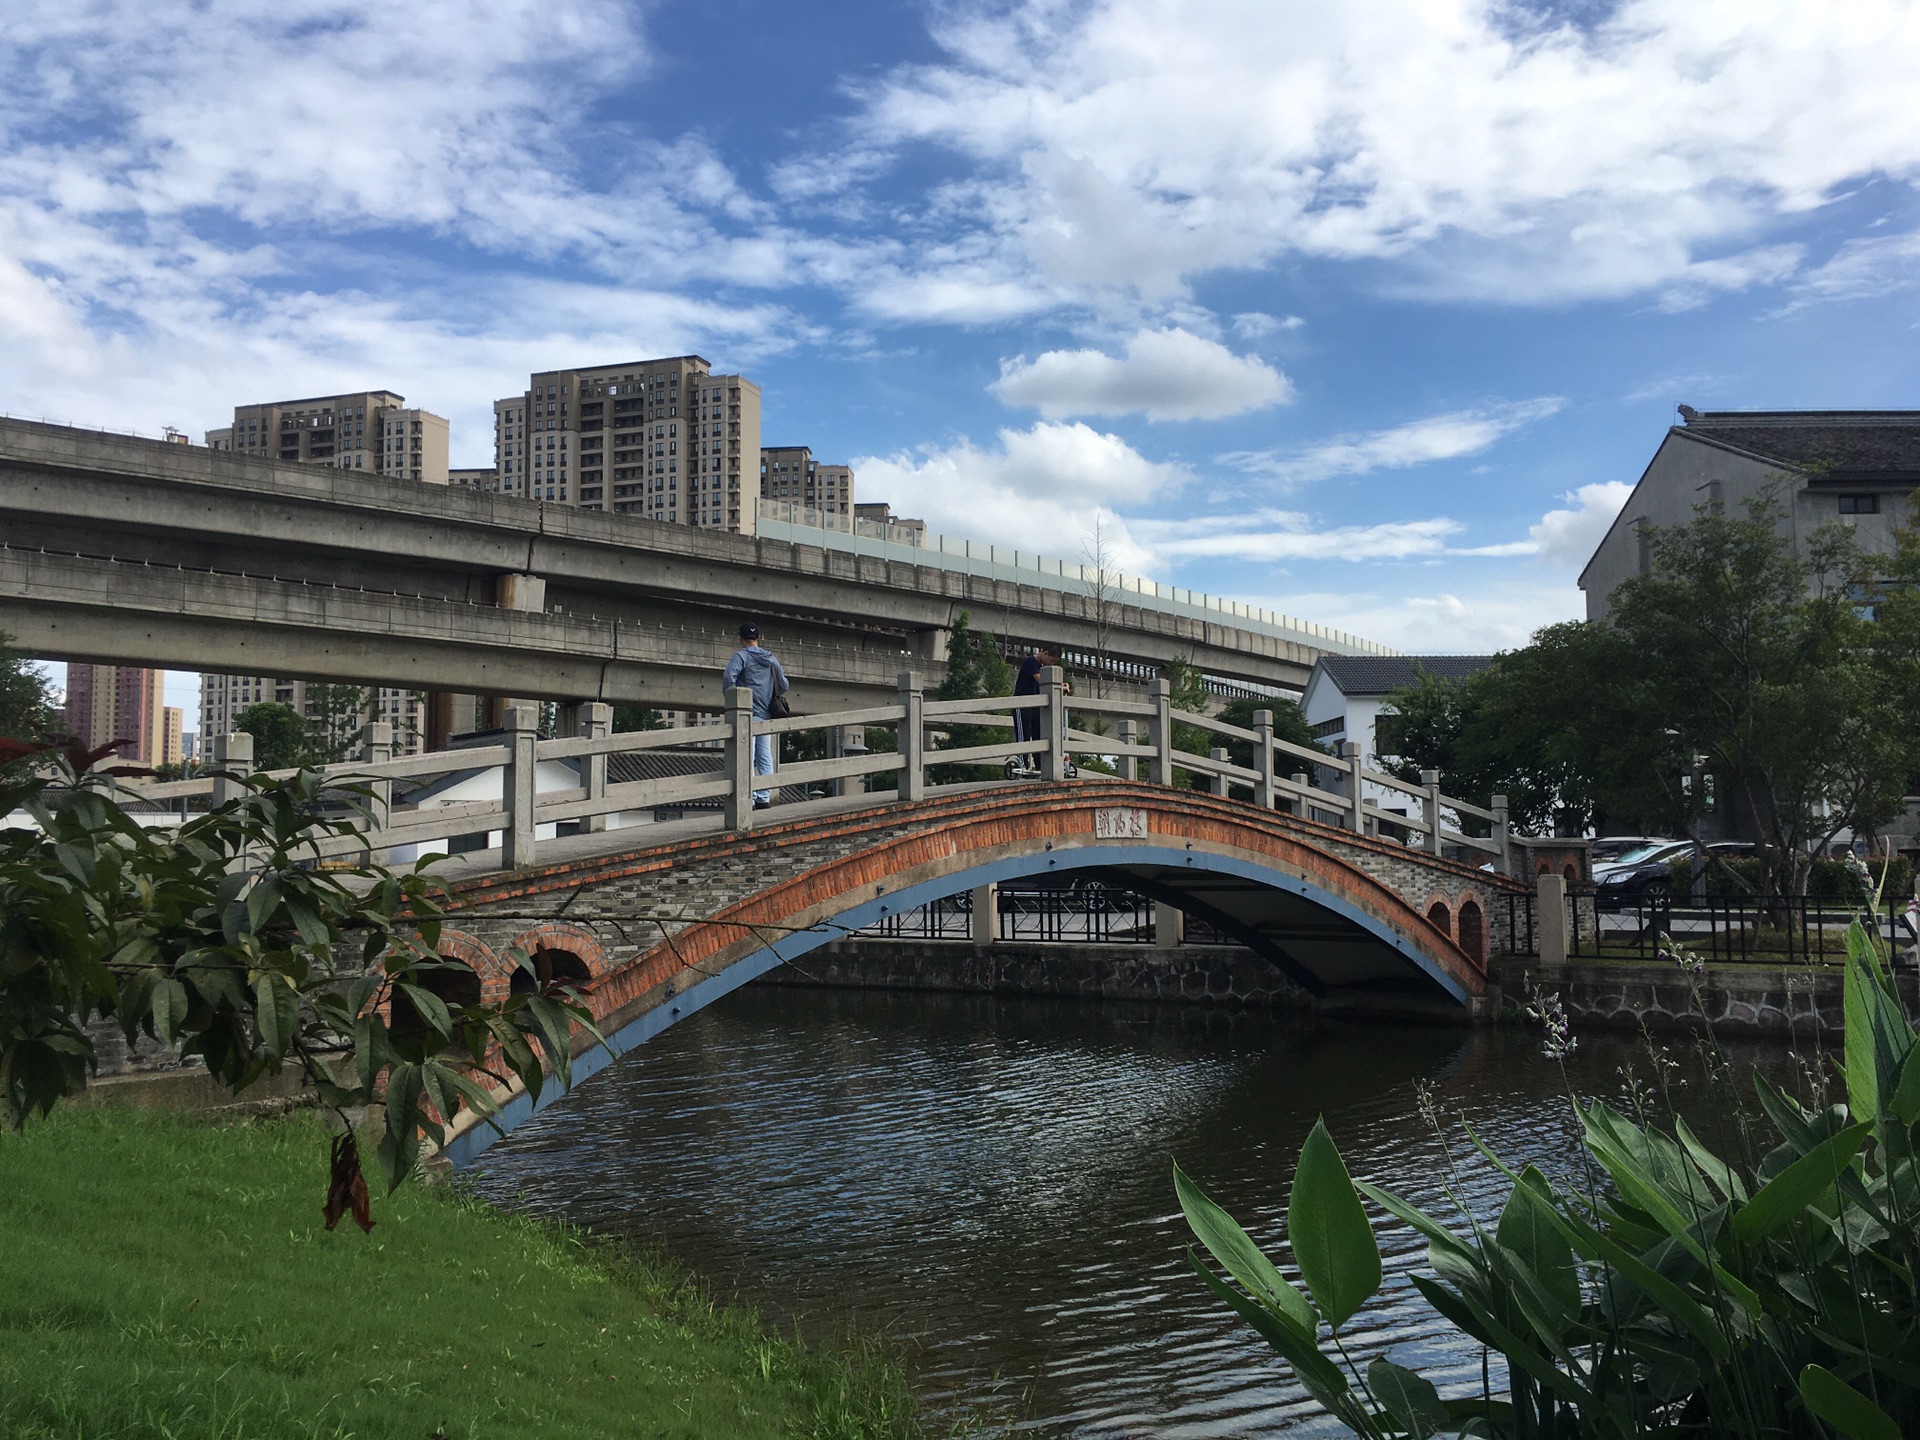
(1219, 975)
(1785, 1001)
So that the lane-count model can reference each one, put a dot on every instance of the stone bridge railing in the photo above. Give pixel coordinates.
(506, 786)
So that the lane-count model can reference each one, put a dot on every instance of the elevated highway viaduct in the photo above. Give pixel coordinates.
(133, 551)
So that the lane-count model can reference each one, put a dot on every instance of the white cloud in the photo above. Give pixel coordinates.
(1863, 270)
(1134, 144)
(1569, 537)
(1040, 491)
(1257, 325)
(1165, 374)
(1284, 535)
(1418, 442)
(1463, 620)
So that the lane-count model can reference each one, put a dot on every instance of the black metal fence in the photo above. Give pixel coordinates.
(1087, 912)
(1765, 929)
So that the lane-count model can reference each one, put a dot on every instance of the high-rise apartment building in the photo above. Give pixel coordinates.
(790, 473)
(375, 430)
(223, 697)
(119, 702)
(664, 439)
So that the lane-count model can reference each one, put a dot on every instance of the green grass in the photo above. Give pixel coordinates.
(165, 1277)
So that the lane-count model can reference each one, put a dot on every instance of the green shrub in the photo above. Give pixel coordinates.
(1771, 1294)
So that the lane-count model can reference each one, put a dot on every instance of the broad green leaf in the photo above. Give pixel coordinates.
(262, 901)
(1878, 1036)
(1722, 1175)
(1843, 1407)
(1409, 1398)
(1527, 1230)
(1906, 1095)
(1793, 1189)
(401, 1143)
(1474, 1319)
(431, 1009)
(277, 1012)
(1678, 1305)
(1328, 1229)
(169, 1010)
(1228, 1243)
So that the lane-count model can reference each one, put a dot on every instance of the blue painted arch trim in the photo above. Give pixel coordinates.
(469, 1146)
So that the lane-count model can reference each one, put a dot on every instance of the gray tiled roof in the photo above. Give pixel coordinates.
(1380, 674)
(1858, 445)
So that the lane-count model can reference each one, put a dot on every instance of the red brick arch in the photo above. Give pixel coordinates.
(471, 950)
(824, 874)
(575, 940)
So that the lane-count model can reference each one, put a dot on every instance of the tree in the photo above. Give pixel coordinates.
(26, 699)
(975, 671)
(336, 717)
(1101, 581)
(1289, 724)
(279, 734)
(225, 941)
(1187, 690)
(628, 718)
(1733, 659)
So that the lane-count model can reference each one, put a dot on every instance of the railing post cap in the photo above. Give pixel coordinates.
(910, 680)
(1499, 803)
(1429, 777)
(1263, 719)
(1350, 749)
(739, 697)
(1162, 687)
(523, 717)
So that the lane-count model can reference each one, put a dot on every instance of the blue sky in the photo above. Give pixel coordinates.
(1369, 312)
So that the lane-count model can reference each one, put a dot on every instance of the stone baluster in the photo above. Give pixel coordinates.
(1217, 784)
(1053, 688)
(913, 736)
(376, 748)
(1502, 836)
(519, 783)
(739, 758)
(1127, 764)
(1162, 732)
(1430, 808)
(1356, 813)
(596, 723)
(233, 754)
(1301, 806)
(1265, 794)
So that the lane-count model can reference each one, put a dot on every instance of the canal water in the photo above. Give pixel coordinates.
(988, 1182)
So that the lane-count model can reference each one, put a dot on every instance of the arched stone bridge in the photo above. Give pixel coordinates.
(652, 934)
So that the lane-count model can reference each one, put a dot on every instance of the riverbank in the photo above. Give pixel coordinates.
(163, 1276)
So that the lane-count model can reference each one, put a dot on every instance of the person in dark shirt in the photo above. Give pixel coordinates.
(1026, 723)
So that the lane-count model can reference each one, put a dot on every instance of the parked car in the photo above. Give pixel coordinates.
(1646, 873)
(1609, 848)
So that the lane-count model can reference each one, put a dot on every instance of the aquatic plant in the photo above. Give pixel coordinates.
(1685, 1293)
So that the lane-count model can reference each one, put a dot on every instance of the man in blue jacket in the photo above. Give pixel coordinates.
(757, 670)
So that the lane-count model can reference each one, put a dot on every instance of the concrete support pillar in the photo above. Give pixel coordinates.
(1551, 935)
(519, 784)
(1503, 837)
(595, 723)
(1053, 721)
(1356, 814)
(1162, 732)
(913, 736)
(233, 754)
(986, 914)
(739, 761)
(1265, 794)
(376, 748)
(1430, 808)
(1169, 926)
(1125, 764)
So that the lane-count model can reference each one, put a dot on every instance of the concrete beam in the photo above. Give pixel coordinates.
(137, 499)
(109, 612)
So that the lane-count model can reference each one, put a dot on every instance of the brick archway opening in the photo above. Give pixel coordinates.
(1472, 934)
(1440, 917)
(551, 966)
(1571, 871)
